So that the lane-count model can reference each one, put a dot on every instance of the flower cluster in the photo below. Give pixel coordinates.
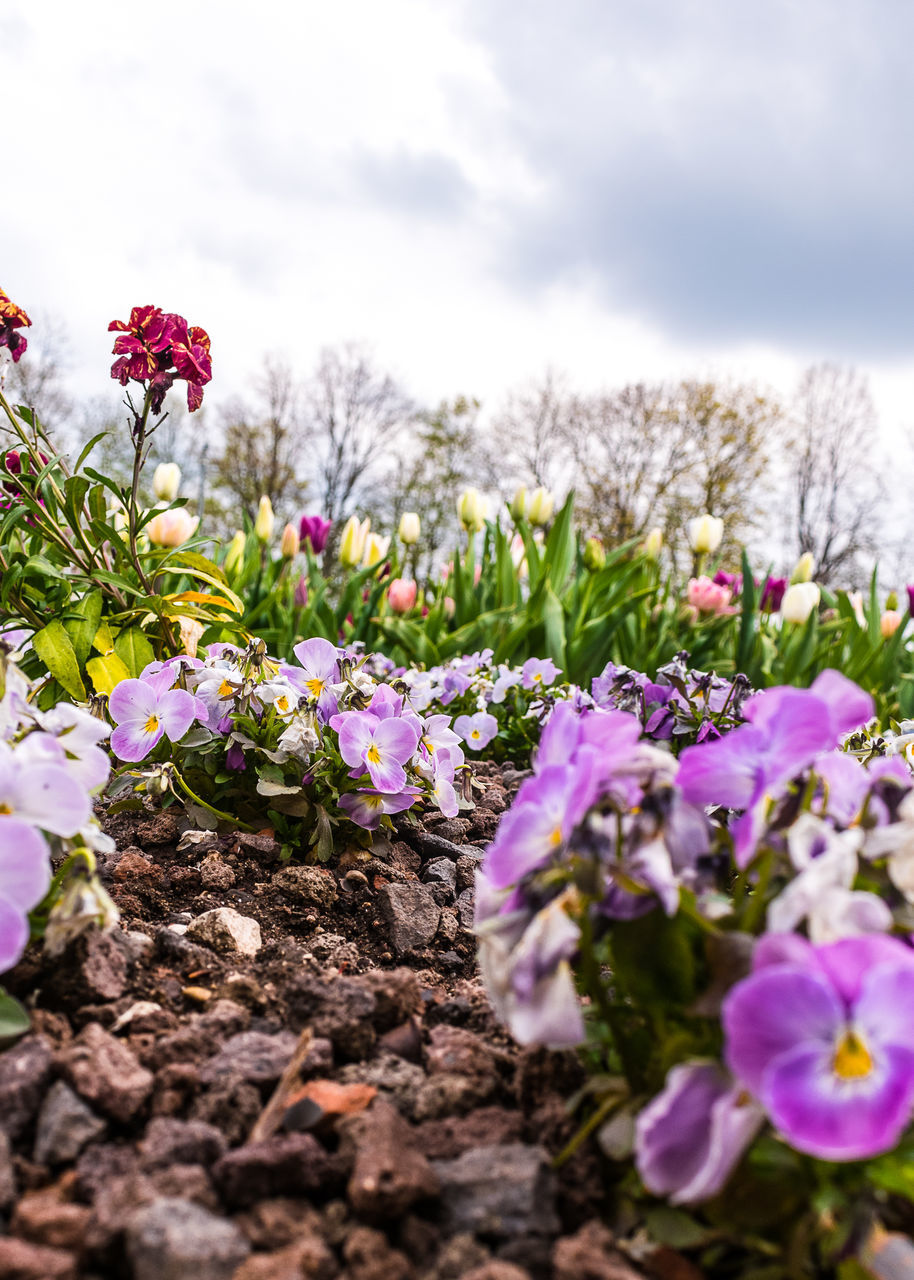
(12, 318)
(678, 705)
(157, 347)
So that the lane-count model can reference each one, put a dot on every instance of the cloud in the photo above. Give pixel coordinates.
(411, 183)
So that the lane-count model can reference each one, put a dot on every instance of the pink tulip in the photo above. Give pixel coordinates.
(401, 594)
(172, 528)
(708, 596)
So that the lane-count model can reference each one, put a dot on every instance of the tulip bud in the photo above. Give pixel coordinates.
(375, 550)
(301, 592)
(263, 525)
(594, 554)
(352, 541)
(800, 599)
(889, 623)
(891, 600)
(401, 594)
(653, 543)
(235, 553)
(518, 506)
(165, 481)
(805, 568)
(540, 507)
(471, 510)
(450, 607)
(705, 534)
(408, 532)
(290, 542)
(172, 528)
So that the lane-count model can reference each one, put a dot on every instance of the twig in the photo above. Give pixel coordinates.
(268, 1121)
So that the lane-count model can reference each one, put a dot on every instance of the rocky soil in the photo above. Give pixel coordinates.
(287, 1072)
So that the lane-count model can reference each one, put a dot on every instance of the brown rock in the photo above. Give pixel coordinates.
(272, 1224)
(50, 1218)
(286, 1164)
(105, 1073)
(497, 1271)
(7, 1172)
(253, 1056)
(232, 1105)
(461, 1052)
(589, 1255)
(20, 1260)
(169, 1141)
(24, 1074)
(368, 1256)
(215, 873)
(444, 1139)
(132, 865)
(390, 1173)
(305, 1259)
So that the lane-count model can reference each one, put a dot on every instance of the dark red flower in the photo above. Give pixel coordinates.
(144, 338)
(157, 347)
(11, 319)
(191, 354)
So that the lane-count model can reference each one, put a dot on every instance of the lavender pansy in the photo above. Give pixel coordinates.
(478, 730)
(382, 747)
(147, 710)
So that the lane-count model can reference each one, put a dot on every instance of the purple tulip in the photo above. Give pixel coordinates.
(823, 1037)
(382, 747)
(145, 711)
(772, 594)
(316, 529)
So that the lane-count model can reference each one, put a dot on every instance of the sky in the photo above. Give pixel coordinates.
(477, 189)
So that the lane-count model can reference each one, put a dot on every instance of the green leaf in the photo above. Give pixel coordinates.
(88, 449)
(675, 1228)
(107, 672)
(652, 959)
(134, 649)
(55, 649)
(82, 622)
(14, 1021)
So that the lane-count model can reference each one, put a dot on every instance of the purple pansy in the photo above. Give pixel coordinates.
(823, 1037)
(145, 711)
(365, 807)
(320, 672)
(382, 747)
(477, 730)
(538, 672)
(25, 877)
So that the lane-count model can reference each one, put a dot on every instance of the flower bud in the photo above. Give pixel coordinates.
(889, 623)
(300, 598)
(352, 541)
(800, 599)
(83, 904)
(376, 549)
(408, 532)
(653, 543)
(805, 568)
(235, 553)
(471, 510)
(891, 600)
(705, 534)
(165, 481)
(290, 542)
(518, 506)
(540, 507)
(172, 528)
(265, 522)
(594, 554)
(450, 607)
(401, 594)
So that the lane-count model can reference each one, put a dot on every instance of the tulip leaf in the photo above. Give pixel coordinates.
(55, 649)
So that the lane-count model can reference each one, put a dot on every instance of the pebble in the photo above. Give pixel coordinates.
(225, 929)
(65, 1126)
(307, 884)
(7, 1172)
(24, 1073)
(466, 909)
(175, 1239)
(441, 871)
(288, 1164)
(467, 865)
(589, 1253)
(412, 914)
(21, 1260)
(505, 1190)
(180, 1142)
(390, 1172)
(433, 846)
(253, 1056)
(106, 1073)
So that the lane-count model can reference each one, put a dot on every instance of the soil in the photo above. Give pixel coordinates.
(271, 1071)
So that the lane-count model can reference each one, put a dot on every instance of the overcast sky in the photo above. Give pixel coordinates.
(477, 188)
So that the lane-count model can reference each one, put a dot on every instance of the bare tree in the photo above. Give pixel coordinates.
(38, 380)
(836, 487)
(530, 435)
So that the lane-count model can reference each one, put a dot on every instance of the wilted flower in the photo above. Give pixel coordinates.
(191, 630)
(316, 530)
(401, 594)
(11, 319)
(653, 543)
(172, 528)
(800, 599)
(804, 568)
(83, 904)
(705, 534)
(594, 554)
(518, 506)
(376, 549)
(265, 520)
(352, 542)
(235, 552)
(290, 542)
(408, 530)
(471, 510)
(889, 623)
(541, 506)
(165, 481)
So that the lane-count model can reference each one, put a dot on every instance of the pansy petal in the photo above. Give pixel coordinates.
(25, 864)
(132, 743)
(884, 1011)
(177, 711)
(132, 700)
(14, 934)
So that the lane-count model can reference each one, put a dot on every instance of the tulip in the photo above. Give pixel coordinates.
(300, 597)
(518, 506)
(805, 568)
(316, 529)
(352, 542)
(375, 550)
(265, 522)
(540, 507)
(855, 600)
(471, 510)
(235, 553)
(401, 594)
(772, 594)
(705, 534)
(408, 531)
(653, 543)
(889, 623)
(891, 600)
(450, 607)
(708, 596)
(800, 599)
(172, 528)
(594, 554)
(290, 542)
(165, 481)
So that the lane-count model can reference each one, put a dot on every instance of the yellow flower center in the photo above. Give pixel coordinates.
(282, 703)
(474, 733)
(151, 724)
(315, 687)
(555, 838)
(5, 808)
(373, 755)
(429, 746)
(852, 1058)
(226, 690)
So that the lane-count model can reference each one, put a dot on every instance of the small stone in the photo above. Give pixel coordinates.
(20, 1260)
(253, 1056)
(225, 929)
(7, 1172)
(369, 1256)
(433, 846)
(215, 873)
(412, 914)
(232, 1105)
(145, 1015)
(589, 1255)
(467, 866)
(466, 909)
(169, 1141)
(454, 1049)
(262, 844)
(390, 1172)
(305, 1259)
(447, 1094)
(24, 1073)
(47, 1217)
(453, 829)
(440, 871)
(448, 925)
(504, 1191)
(313, 885)
(106, 1073)
(496, 1270)
(175, 1239)
(393, 1077)
(286, 1164)
(132, 865)
(65, 1126)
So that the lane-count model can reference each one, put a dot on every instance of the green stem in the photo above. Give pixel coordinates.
(218, 813)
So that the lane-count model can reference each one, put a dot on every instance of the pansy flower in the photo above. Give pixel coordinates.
(147, 710)
(382, 747)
